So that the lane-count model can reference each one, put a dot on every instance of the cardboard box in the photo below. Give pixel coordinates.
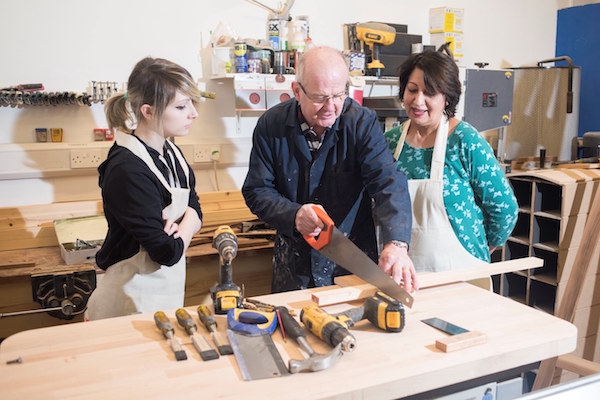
(446, 19)
(456, 39)
(80, 238)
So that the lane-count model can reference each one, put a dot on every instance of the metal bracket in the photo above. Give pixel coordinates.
(69, 291)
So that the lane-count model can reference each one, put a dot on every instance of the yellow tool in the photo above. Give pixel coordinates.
(225, 294)
(375, 34)
(381, 310)
(207, 318)
(327, 328)
(164, 324)
(200, 343)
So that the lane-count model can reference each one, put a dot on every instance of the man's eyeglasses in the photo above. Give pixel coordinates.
(317, 99)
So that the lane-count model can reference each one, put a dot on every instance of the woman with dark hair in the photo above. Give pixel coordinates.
(463, 206)
(148, 193)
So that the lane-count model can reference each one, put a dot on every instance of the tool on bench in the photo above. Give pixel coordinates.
(328, 328)
(332, 243)
(225, 294)
(459, 338)
(381, 310)
(252, 322)
(208, 319)
(253, 304)
(199, 341)
(164, 324)
(256, 355)
(315, 361)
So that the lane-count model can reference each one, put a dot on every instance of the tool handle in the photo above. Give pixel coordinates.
(185, 321)
(291, 327)
(207, 318)
(252, 322)
(354, 314)
(164, 324)
(324, 237)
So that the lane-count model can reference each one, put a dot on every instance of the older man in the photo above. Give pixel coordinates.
(322, 148)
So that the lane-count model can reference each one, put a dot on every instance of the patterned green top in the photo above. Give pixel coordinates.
(480, 203)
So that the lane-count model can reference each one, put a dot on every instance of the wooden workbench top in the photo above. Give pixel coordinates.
(128, 358)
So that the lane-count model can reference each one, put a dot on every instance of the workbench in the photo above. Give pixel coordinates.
(127, 357)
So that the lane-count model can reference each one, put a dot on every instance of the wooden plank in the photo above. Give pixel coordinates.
(32, 226)
(580, 165)
(425, 279)
(578, 365)
(566, 309)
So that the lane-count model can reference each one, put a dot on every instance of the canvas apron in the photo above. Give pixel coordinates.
(139, 284)
(433, 243)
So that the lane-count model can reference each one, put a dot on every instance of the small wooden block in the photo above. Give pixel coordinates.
(342, 295)
(460, 341)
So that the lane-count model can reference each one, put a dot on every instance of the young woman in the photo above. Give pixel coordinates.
(148, 194)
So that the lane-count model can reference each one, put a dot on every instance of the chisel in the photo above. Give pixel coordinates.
(208, 320)
(199, 341)
(164, 324)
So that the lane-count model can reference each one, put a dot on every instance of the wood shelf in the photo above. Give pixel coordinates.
(553, 208)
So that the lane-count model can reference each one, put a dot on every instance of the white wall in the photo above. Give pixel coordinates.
(67, 43)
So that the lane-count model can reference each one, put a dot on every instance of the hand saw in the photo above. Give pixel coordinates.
(332, 243)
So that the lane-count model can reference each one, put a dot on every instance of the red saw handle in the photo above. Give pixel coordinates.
(325, 236)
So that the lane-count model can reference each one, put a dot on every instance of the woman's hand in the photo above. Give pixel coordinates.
(171, 227)
(187, 227)
(395, 262)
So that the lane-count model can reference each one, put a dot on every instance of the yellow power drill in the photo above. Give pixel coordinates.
(225, 294)
(380, 309)
(328, 328)
(375, 34)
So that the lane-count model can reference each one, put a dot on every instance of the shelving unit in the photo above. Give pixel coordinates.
(553, 208)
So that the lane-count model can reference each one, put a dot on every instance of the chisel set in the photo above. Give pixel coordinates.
(33, 94)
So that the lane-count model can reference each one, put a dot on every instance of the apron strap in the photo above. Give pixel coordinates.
(439, 149)
(182, 162)
(137, 148)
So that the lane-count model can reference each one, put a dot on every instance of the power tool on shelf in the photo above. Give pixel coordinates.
(225, 294)
(375, 34)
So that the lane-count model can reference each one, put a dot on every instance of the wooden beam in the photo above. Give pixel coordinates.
(566, 308)
(361, 289)
(578, 365)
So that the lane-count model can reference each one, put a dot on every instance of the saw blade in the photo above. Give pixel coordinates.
(344, 252)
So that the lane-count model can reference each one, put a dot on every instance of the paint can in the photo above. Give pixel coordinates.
(273, 25)
(240, 50)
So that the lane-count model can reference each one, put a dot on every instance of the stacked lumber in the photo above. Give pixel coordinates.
(30, 227)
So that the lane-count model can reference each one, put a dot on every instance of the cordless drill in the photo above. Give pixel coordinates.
(328, 328)
(381, 310)
(225, 294)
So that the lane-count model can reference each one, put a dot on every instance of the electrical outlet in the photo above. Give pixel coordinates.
(206, 152)
(86, 158)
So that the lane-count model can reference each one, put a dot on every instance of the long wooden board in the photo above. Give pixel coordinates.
(354, 288)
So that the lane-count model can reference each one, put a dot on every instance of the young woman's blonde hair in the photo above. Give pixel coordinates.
(153, 81)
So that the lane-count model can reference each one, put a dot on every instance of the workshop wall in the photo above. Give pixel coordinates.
(578, 32)
(67, 44)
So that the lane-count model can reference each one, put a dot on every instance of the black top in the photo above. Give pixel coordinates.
(133, 200)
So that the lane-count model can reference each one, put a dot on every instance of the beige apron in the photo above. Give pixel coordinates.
(433, 243)
(139, 284)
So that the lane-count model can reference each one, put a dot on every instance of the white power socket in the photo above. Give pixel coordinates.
(86, 158)
(206, 152)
